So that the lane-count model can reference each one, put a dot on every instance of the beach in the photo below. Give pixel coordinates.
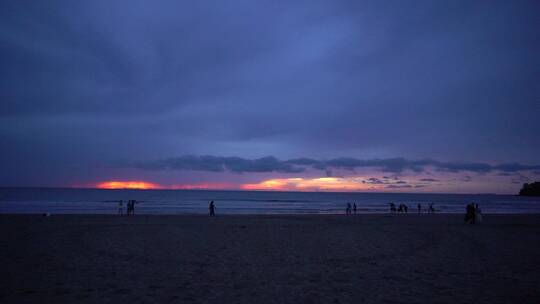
(383, 258)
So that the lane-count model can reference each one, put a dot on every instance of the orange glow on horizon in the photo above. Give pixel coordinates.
(310, 184)
(330, 184)
(148, 185)
(127, 185)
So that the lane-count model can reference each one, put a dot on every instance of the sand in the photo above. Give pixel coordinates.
(269, 259)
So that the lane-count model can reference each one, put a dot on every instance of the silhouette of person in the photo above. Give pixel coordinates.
(478, 213)
(470, 217)
(120, 207)
(419, 208)
(354, 208)
(212, 209)
(473, 214)
(405, 208)
(131, 207)
(392, 207)
(348, 209)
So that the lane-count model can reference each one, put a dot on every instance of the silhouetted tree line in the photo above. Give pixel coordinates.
(530, 189)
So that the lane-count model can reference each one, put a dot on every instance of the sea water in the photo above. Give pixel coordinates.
(98, 201)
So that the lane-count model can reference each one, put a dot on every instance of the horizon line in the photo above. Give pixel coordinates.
(253, 190)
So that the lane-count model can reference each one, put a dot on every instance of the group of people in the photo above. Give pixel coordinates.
(473, 214)
(130, 207)
(404, 208)
(401, 208)
(351, 208)
(430, 208)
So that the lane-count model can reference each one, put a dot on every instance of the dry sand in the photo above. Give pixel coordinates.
(269, 259)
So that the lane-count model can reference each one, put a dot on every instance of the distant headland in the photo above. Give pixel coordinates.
(532, 189)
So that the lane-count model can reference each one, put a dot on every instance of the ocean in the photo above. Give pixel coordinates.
(98, 201)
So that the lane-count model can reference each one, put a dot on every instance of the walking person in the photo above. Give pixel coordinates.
(120, 207)
(354, 208)
(212, 209)
(419, 208)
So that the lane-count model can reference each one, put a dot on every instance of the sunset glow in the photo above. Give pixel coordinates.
(127, 185)
(149, 185)
(310, 184)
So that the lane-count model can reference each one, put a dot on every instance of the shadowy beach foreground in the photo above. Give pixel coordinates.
(269, 259)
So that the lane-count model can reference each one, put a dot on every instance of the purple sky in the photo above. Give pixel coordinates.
(431, 96)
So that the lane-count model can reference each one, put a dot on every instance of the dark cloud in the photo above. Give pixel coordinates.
(373, 180)
(429, 180)
(272, 164)
(398, 186)
(401, 164)
(218, 164)
(515, 167)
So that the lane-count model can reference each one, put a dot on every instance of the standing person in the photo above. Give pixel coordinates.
(478, 213)
(405, 208)
(130, 207)
(120, 207)
(348, 209)
(470, 217)
(473, 214)
(419, 208)
(212, 209)
(431, 209)
(354, 208)
(133, 207)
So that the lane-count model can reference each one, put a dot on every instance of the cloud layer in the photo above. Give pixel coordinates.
(272, 164)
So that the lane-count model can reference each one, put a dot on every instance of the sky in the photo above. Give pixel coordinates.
(380, 96)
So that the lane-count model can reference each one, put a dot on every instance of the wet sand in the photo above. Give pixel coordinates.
(269, 259)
